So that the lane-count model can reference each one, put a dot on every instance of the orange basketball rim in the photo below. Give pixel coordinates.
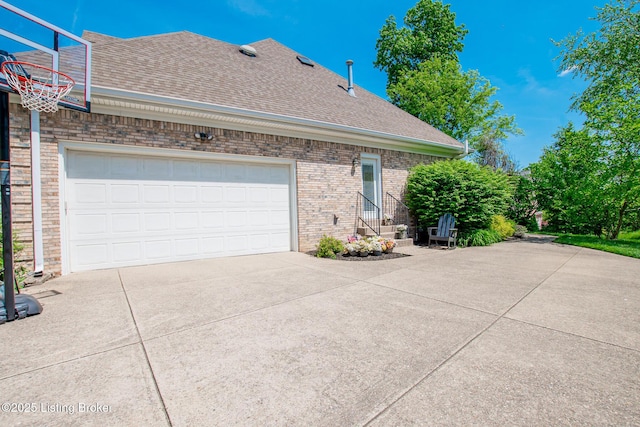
(40, 88)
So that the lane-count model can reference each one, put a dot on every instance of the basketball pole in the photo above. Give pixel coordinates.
(5, 188)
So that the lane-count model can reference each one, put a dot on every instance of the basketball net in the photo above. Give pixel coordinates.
(40, 88)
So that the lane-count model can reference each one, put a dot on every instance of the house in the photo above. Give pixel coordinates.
(197, 148)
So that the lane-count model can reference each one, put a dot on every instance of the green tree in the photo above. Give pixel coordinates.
(425, 79)
(568, 183)
(429, 31)
(524, 204)
(608, 60)
(473, 194)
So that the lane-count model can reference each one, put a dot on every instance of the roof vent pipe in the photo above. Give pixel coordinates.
(350, 81)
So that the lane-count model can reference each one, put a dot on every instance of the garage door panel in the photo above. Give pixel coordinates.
(258, 218)
(157, 168)
(123, 167)
(211, 194)
(234, 173)
(279, 175)
(126, 251)
(158, 249)
(280, 195)
(237, 243)
(88, 164)
(125, 193)
(89, 193)
(235, 194)
(259, 194)
(280, 241)
(257, 173)
(235, 219)
(186, 220)
(184, 170)
(87, 256)
(279, 217)
(186, 194)
(213, 245)
(186, 247)
(89, 224)
(126, 223)
(212, 219)
(156, 193)
(259, 242)
(131, 210)
(157, 221)
(211, 172)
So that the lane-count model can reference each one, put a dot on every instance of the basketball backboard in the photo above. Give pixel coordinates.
(31, 39)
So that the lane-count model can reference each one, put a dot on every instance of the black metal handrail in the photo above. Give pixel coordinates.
(367, 214)
(397, 212)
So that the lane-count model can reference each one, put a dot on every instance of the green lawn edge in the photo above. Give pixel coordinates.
(630, 248)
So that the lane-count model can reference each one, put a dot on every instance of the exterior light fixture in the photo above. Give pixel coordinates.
(355, 162)
(202, 136)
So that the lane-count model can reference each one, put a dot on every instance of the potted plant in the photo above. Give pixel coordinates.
(388, 245)
(351, 249)
(377, 248)
(361, 248)
(401, 231)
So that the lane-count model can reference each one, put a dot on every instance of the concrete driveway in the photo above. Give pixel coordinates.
(519, 333)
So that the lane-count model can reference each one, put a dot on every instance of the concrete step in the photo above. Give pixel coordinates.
(387, 235)
(383, 228)
(387, 232)
(404, 242)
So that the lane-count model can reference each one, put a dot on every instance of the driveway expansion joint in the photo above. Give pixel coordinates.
(146, 355)
(467, 343)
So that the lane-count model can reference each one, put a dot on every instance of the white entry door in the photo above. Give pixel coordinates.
(371, 188)
(123, 210)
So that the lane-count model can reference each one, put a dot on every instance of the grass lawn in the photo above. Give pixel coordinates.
(623, 246)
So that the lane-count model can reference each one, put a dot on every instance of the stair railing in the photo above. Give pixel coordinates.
(397, 211)
(367, 214)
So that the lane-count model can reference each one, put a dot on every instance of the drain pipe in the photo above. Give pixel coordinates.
(466, 150)
(350, 90)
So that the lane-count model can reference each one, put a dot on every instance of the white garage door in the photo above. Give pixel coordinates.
(124, 210)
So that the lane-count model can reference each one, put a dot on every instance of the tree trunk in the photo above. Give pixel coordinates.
(615, 233)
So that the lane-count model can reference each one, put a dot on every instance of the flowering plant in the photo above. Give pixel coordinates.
(401, 227)
(353, 238)
(389, 243)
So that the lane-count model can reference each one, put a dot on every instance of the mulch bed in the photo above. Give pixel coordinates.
(392, 255)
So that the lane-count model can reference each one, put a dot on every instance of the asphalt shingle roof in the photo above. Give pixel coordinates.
(192, 67)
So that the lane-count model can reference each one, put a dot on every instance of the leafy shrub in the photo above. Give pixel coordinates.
(20, 271)
(481, 237)
(473, 194)
(328, 247)
(523, 205)
(532, 224)
(503, 226)
(521, 230)
(630, 235)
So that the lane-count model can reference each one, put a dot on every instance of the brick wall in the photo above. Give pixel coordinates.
(326, 181)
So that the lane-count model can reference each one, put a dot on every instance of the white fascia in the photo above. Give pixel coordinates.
(142, 105)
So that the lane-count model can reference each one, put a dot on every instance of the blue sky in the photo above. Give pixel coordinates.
(508, 41)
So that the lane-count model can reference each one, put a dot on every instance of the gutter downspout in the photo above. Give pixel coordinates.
(466, 151)
(36, 194)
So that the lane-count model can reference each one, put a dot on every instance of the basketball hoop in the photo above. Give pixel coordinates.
(40, 88)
